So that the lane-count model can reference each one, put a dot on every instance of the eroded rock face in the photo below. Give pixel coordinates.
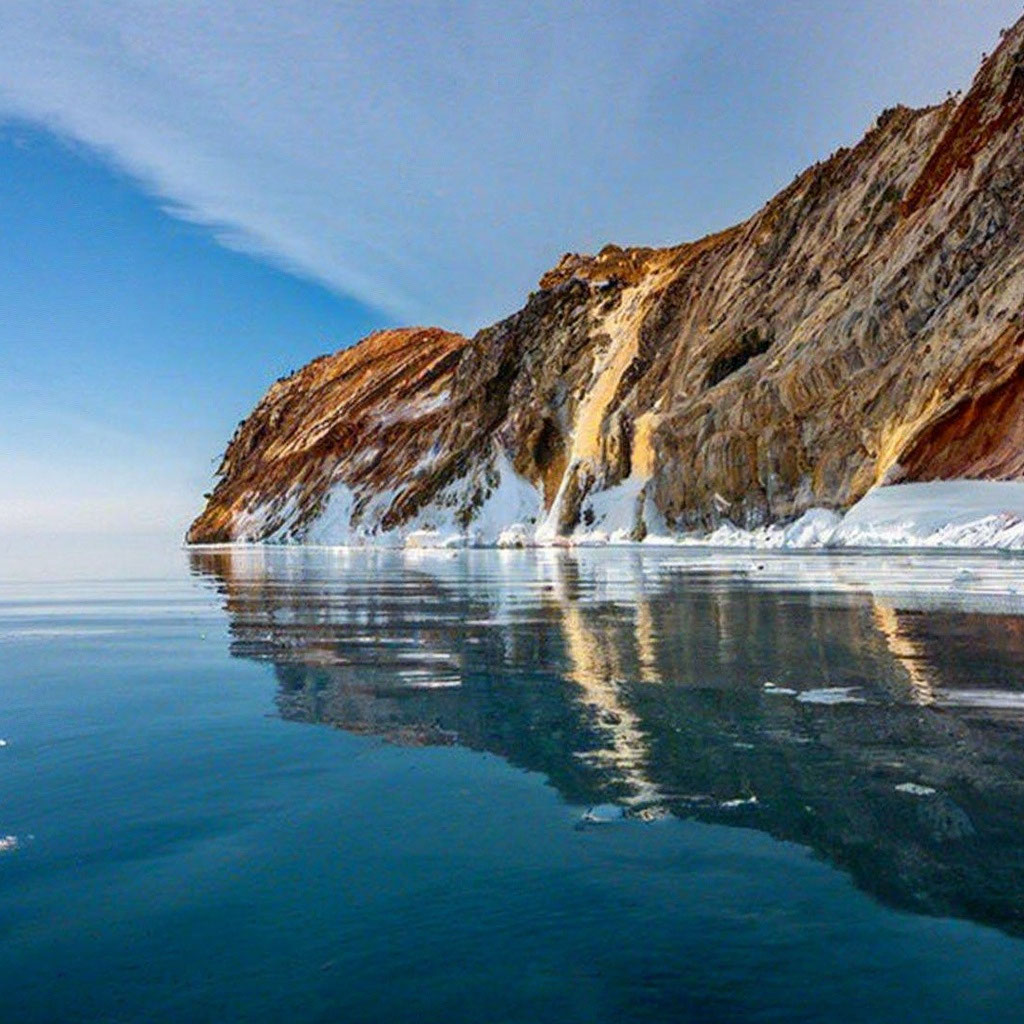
(364, 417)
(866, 324)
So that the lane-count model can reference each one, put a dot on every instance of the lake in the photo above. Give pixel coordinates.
(592, 785)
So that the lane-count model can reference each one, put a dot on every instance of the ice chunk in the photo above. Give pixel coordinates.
(914, 789)
(603, 814)
(749, 801)
(830, 695)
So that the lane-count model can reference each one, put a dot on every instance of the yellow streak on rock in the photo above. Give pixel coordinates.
(587, 436)
(622, 328)
(642, 461)
(898, 436)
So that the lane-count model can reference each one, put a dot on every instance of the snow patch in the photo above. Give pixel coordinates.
(990, 700)
(518, 535)
(509, 502)
(252, 523)
(940, 514)
(335, 519)
(613, 513)
(434, 539)
(415, 409)
(814, 529)
(513, 500)
(506, 510)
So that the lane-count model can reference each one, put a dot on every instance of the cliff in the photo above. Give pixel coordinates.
(863, 327)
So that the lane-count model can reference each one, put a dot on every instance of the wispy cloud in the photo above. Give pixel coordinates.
(433, 158)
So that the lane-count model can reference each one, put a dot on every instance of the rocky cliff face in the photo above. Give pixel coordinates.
(865, 326)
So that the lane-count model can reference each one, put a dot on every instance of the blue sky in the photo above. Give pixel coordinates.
(197, 197)
(132, 343)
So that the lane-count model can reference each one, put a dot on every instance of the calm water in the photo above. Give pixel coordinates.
(484, 786)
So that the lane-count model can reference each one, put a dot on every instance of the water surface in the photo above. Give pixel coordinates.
(320, 785)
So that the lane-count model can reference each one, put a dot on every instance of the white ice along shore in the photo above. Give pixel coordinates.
(943, 514)
(964, 514)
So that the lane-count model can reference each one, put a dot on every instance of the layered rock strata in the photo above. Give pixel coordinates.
(864, 327)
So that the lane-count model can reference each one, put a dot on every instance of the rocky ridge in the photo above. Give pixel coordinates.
(864, 327)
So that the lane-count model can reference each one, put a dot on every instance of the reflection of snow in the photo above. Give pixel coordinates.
(914, 789)
(904, 580)
(989, 700)
(830, 695)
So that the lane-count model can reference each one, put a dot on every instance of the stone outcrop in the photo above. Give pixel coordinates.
(365, 414)
(864, 326)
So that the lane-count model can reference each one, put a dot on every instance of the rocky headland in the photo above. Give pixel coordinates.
(864, 328)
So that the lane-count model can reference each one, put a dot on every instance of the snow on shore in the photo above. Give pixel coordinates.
(943, 514)
(955, 514)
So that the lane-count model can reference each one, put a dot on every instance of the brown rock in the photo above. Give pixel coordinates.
(865, 324)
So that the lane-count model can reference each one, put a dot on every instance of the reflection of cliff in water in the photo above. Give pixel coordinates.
(886, 738)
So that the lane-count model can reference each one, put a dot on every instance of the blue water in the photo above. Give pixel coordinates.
(482, 786)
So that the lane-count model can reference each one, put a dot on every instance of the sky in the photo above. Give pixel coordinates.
(199, 196)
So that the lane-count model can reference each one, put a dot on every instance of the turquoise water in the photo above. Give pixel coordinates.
(483, 786)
